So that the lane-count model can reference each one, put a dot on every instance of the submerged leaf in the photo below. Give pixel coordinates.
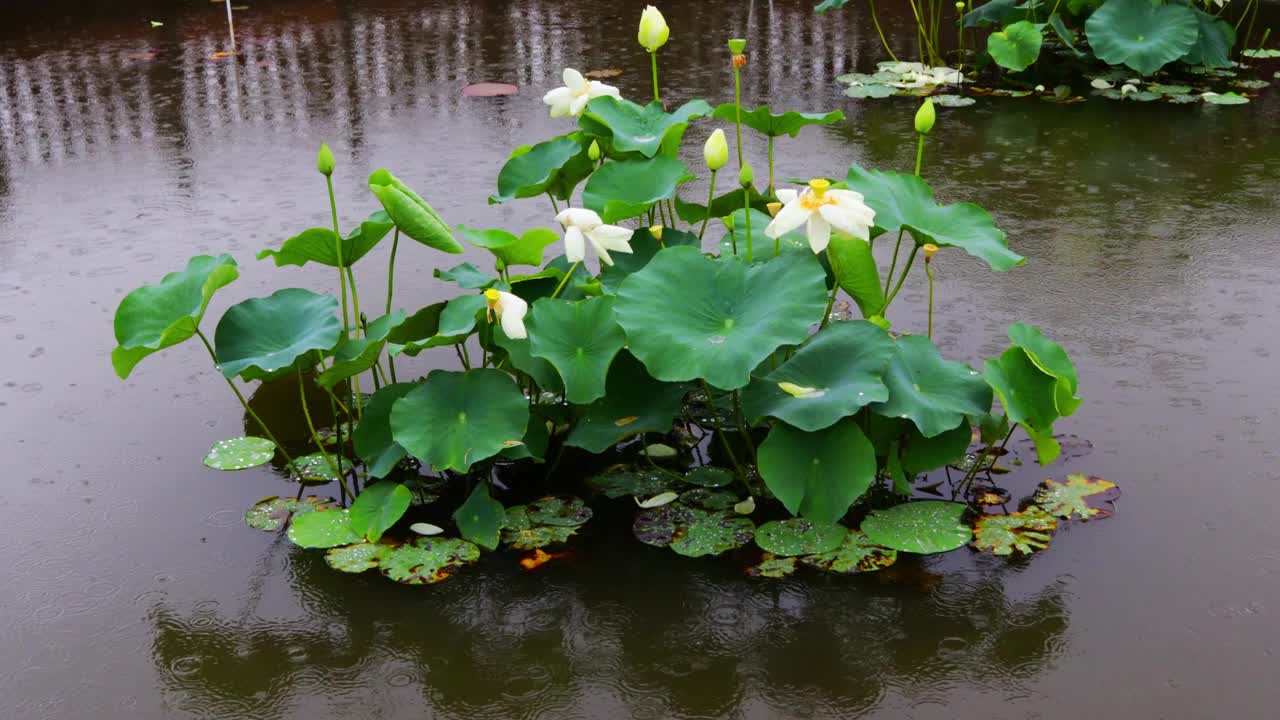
(857, 553)
(772, 566)
(240, 453)
(1022, 532)
(1072, 498)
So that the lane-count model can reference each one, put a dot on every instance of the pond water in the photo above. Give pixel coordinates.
(132, 588)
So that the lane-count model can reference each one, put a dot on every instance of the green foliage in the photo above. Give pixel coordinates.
(240, 453)
(579, 339)
(1021, 532)
(323, 529)
(818, 475)
(1072, 498)
(1017, 46)
(771, 124)
(633, 402)
(380, 506)
(480, 518)
(319, 245)
(411, 213)
(372, 437)
(929, 526)
(857, 553)
(271, 513)
(272, 333)
(934, 393)
(646, 130)
(628, 188)
(1142, 35)
(455, 419)
(784, 538)
(526, 249)
(423, 561)
(554, 167)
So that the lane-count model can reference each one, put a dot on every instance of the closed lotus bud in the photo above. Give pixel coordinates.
(324, 161)
(745, 175)
(716, 150)
(593, 152)
(925, 117)
(653, 29)
(774, 208)
(929, 251)
(739, 61)
(737, 45)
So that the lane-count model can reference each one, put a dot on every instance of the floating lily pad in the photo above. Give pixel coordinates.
(708, 499)
(271, 513)
(536, 536)
(952, 101)
(1161, 89)
(356, 558)
(1072, 498)
(661, 526)
(424, 560)
(240, 453)
(713, 533)
(870, 92)
(929, 526)
(314, 468)
(1141, 35)
(798, 536)
(639, 482)
(323, 529)
(1228, 98)
(557, 510)
(772, 566)
(489, 89)
(1021, 532)
(856, 554)
(709, 477)
(1262, 53)
(1250, 84)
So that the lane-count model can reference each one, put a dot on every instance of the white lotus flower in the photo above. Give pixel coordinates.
(576, 93)
(822, 209)
(510, 310)
(581, 223)
(1101, 84)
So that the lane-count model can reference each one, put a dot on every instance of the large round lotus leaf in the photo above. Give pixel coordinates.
(1141, 34)
(526, 249)
(633, 403)
(935, 394)
(1212, 48)
(643, 248)
(635, 482)
(372, 437)
(271, 333)
(1028, 397)
(627, 188)
(240, 453)
(553, 166)
(520, 353)
(709, 477)
(413, 215)
(1052, 359)
(818, 474)
(712, 533)
(323, 529)
(357, 558)
(319, 245)
(352, 357)
(856, 554)
(480, 518)
(797, 536)
(536, 536)
(730, 316)
(155, 317)
(929, 526)
(663, 525)
(1022, 532)
(454, 419)
(772, 566)
(766, 122)
(834, 375)
(579, 339)
(379, 507)
(1016, 46)
(1071, 499)
(921, 454)
(906, 201)
(420, 331)
(559, 510)
(319, 467)
(426, 560)
(271, 513)
(633, 128)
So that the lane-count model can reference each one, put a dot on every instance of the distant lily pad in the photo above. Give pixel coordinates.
(424, 560)
(772, 566)
(1250, 84)
(661, 526)
(1228, 98)
(797, 536)
(930, 526)
(1261, 53)
(536, 536)
(543, 522)
(1072, 498)
(709, 477)
(323, 529)
(271, 513)
(952, 101)
(639, 482)
(240, 453)
(489, 89)
(1022, 532)
(870, 92)
(357, 558)
(857, 553)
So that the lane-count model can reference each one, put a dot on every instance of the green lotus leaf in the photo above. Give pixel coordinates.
(421, 330)
(1161, 89)
(542, 284)
(663, 525)
(527, 249)
(553, 166)
(792, 243)
(454, 419)
(721, 206)
(556, 510)
(579, 339)
(906, 201)
(855, 269)
(713, 533)
(468, 276)
(766, 122)
(934, 393)
(413, 215)
(1016, 46)
(1261, 53)
(708, 476)
(633, 402)
(623, 481)
(708, 499)
(687, 316)
(351, 358)
(797, 536)
(1052, 360)
(921, 454)
(271, 513)
(1072, 498)
(870, 92)
(372, 437)
(520, 353)
(993, 12)
(1228, 98)
(155, 317)
(357, 558)
(318, 468)
(952, 101)
(424, 560)
(1212, 48)
(240, 453)
(643, 249)
(1028, 397)
(1021, 532)
(273, 332)
(378, 507)
(319, 245)
(1064, 33)
(835, 374)
(626, 188)
(537, 437)
(772, 566)
(818, 475)
(646, 130)
(826, 5)
(1140, 34)
(323, 529)
(857, 553)
(893, 466)
(480, 518)
(925, 527)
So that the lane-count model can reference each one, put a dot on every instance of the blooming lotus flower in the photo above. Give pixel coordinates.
(822, 209)
(654, 31)
(581, 223)
(510, 310)
(576, 93)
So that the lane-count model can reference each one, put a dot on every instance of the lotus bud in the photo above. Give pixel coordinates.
(716, 150)
(737, 45)
(925, 117)
(774, 208)
(653, 29)
(324, 161)
(656, 232)
(739, 61)
(593, 152)
(745, 175)
(929, 251)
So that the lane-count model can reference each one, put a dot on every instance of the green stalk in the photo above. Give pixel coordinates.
(728, 449)
(928, 270)
(342, 278)
(737, 111)
(653, 60)
(315, 437)
(746, 211)
(903, 278)
(742, 427)
(771, 192)
(554, 206)
(919, 153)
(391, 283)
(565, 280)
(711, 196)
(893, 265)
(876, 21)
(835, 288)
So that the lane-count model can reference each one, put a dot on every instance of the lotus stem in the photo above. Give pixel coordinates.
(391, 284)
(711, 196)
(835, 289)
(315, 437)
(875, 20)
(554, 207)
(728, 449)
(653, 61)
(771, 138)
(982, 459)
(461, 360)
(231, 28)
(565, 280)
(342, 278)
(928, 270)
(245, 404)
(746, 211)
(919, 152)
(901, 279)
(894, 264)
(737, 111)
(742, 427)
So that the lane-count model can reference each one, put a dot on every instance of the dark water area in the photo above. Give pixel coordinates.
(132, 588)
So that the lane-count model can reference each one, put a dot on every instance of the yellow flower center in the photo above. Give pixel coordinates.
(815, 199)
(492, 297)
